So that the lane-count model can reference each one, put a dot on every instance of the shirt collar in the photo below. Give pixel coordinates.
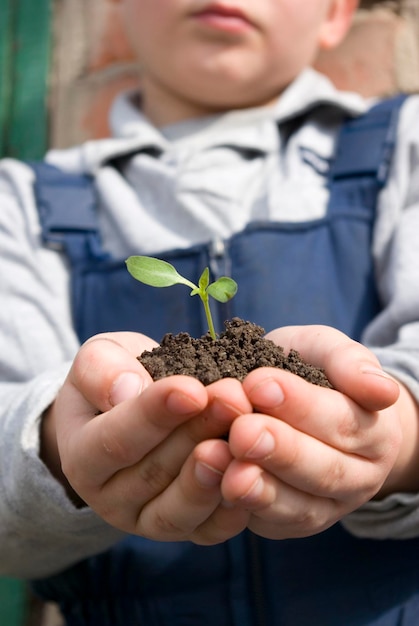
(312, 89)
(246, 129)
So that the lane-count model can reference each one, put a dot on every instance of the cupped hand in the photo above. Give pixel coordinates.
(147, 456)
(310, 455)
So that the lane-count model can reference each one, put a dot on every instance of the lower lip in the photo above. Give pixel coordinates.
(226, 23)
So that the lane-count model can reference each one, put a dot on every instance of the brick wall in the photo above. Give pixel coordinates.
(92, 60)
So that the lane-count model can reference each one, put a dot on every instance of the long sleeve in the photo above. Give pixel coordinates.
(40, 530)
(394, 334)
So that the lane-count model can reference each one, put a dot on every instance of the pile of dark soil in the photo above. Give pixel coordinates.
(240, 348)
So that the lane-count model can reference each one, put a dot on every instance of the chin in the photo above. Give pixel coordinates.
(249, 99)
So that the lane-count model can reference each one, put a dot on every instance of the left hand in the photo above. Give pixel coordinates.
(311, 455)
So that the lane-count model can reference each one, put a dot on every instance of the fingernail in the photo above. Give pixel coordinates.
(254, 492)
(226, 409)
(376, 371)
(263, 447)
(207, 476)
(181, 404)
(127, 386)
(267, 394)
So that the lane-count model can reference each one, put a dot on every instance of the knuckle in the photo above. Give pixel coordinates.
(349, 428)
(310, 519)
(164, 528)
(334, 477)
(118, 450)
(154, 474)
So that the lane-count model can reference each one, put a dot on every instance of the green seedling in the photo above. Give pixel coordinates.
(158, 273)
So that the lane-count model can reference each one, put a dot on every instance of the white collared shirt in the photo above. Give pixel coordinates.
(211, 178)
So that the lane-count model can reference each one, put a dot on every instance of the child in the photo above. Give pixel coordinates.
(118, 494)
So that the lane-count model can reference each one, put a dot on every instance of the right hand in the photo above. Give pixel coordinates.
(132, 449)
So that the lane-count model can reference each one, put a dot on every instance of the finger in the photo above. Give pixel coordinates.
(226, 522)
(226, 401)
(276, 509)
(94, 449)
(190, 507)
(106, 370)
(303, 462)
(350, 367)
(325, 414)
(161, 464)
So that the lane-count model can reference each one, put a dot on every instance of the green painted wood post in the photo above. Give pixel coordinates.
(25, 40)
(6, 38)
(12, 602)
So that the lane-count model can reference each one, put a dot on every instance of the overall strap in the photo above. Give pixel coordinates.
(363, 156)
(67, 205)
(67, 202)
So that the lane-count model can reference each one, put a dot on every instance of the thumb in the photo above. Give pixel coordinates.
(106, 370)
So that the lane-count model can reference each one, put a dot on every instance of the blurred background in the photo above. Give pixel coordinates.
(63, 61)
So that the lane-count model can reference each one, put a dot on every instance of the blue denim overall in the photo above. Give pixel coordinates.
(288, 273)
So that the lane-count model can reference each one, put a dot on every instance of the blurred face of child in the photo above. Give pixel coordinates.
(202, 56)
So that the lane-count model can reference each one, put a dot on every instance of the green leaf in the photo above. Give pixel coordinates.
(155, 272)
(159, 273)
(204, 279)
(223, 289)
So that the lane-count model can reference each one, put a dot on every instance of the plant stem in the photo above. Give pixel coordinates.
(205, 300)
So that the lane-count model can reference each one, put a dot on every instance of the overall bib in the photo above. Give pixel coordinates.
(288, 273)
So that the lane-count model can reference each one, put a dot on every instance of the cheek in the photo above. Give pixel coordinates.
(296, 46)
(296, 24)
(144, 20)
